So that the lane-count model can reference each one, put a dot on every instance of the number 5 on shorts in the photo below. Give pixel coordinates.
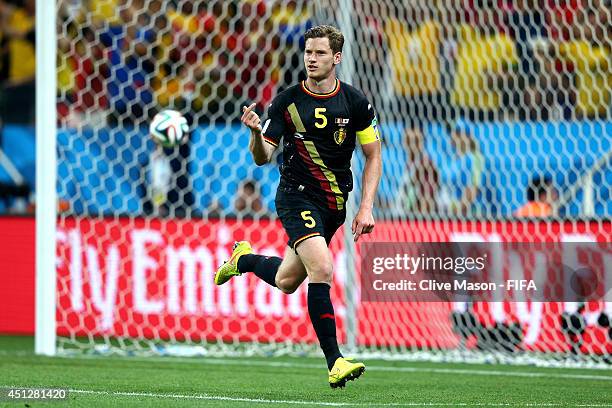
(310, 222)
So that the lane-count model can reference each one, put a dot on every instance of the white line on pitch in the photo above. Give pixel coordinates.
(210, 397)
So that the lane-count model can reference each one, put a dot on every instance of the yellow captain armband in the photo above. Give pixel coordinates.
(369, 134)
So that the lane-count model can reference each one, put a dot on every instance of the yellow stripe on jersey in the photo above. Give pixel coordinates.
(329, 175)
(368, 135)
(305, 237)
(270, 141)
(295, 118)
(334, 92)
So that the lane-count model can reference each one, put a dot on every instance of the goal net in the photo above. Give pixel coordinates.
(495, 121)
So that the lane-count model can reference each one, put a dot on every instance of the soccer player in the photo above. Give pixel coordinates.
(320, 122)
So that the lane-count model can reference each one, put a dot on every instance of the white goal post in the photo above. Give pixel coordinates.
(46, 163)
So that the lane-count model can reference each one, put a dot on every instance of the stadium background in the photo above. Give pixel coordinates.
(484, 96)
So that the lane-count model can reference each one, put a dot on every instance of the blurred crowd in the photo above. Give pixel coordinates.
(120, 61)
(127, 59)
(17, 61)
(493, 59)
(446, 61)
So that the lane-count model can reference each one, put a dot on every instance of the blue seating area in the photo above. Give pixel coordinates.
(18, 143)
(102, 172)
(514, 152)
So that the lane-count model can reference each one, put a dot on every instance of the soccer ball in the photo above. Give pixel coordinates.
(168, 128)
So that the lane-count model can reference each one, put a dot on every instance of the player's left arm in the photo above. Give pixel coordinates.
(364, 220)
(369, 139)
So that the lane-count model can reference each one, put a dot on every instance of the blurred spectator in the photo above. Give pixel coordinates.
(215, 209)
(373, 73)
(227, 49)
(168, 187)
(131, 70)
(590, 52)
(14, 197)
(105, 12)
(449, 47)
(19, 33)
(65, 76)
(526, 25)
(419, 189)
(71, 12)
(159, 183)
(479, 13)
(414, 49)
(534, 100)
(542, 199)
(290, 19)
(180, 50)
(211, 60)
(561, 17)
(263, 73)
(551, 93)
(462, 179)
(181, 91)
(81, 82)
(17, 56)
(180, 197)
(185, 55)
(184, 18)
(485, 60)
(248, 202)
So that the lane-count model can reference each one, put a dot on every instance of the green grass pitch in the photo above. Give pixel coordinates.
(292, 382)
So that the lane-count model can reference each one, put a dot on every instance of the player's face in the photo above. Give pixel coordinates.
(319, 59)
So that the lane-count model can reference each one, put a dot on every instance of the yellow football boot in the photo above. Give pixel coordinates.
(344, 370)
(229, 268)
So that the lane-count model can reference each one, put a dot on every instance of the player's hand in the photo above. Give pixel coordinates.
(250, 118)
(362, 224)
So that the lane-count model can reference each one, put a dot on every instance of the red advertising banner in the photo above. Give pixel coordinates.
(154, 279)
(17, 275)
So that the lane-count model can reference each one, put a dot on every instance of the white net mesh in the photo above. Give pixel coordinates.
(495, 117)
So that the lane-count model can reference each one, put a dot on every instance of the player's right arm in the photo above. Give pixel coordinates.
(259, 148)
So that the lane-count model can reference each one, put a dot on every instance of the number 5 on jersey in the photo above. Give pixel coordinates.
(319, 115)
(310, 222)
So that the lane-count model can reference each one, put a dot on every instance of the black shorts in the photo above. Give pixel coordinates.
(304, 217)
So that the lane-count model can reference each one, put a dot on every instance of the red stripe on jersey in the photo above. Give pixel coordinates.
(326, 316)
(289, 121)
(316, 171)
(334, 91)
(272, 142)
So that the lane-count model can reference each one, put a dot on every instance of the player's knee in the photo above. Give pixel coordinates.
(321, 272)
(286, 285)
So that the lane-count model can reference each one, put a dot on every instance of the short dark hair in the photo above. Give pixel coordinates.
(335, 37)
(537, 186)
(250, 184)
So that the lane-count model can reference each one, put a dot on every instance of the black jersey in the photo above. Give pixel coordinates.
(319, 133)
